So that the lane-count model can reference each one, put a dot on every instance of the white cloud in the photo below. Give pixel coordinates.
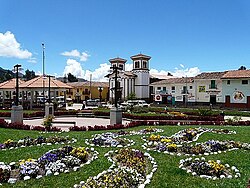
(190, 72)
(74, 68)
(32, 60)
(99, 73)
(9, 47)
(76, 54)
(77, 70)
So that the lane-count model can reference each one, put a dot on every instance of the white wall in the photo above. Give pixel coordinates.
(204, 95)
(235, 89)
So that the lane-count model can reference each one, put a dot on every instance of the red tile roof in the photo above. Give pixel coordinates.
(38, 83)
(210, 75)
(10, 84)
(237, 74)
(175, 81)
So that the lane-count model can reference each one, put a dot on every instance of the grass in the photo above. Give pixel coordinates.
(167, 175)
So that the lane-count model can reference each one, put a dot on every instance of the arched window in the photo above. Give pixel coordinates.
(144, 64)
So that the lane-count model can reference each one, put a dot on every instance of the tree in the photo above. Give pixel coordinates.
(72, 78)
(131, 96)
(242, 68)
(29, 74)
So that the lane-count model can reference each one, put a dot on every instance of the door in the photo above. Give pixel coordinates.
(227, 101)
(212, 99)
(248, 101)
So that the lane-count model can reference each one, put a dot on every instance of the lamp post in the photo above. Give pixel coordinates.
(116, 71)
(115, 113)
(49, 108)
(16, 67)
(100, 89)
(49, 76)
(17, 111)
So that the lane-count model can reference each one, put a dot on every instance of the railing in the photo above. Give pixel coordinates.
(212, 86)
(163, 92)
(184, 91)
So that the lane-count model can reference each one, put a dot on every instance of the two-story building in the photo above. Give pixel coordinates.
(174, 90)
(208, 88)
(236, 88)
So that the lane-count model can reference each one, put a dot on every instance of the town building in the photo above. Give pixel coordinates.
(208, 88)
(236, 89)
(82, 91)
(130, 82)
(203, 89)
(174, 90)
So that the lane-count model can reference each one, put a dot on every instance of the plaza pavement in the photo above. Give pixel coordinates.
(85, 121)
(80, 121)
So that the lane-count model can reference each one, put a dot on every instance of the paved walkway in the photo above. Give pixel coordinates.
(80, 121)
(242, 118)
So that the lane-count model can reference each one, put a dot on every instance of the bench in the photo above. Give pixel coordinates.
(64, 122)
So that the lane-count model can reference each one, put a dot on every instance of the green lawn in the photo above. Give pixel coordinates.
(167, 175)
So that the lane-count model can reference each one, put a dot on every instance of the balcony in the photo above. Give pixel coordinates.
(162, 92)
(213, 86)
(184, 91)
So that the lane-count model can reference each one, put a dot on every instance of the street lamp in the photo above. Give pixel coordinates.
(116, 71)
(16, 67)
(100, 89)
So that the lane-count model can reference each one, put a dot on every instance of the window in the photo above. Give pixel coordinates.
(144, 64)
(173, 87)
(121, 66)
(158, 88)
(190, 87)
(212, 86)
(86, 91)
(184, 89)
(137, 64)
(244, 82)
(164, 88)
(228, 82)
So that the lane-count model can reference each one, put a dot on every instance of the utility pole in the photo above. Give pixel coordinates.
(43, 69)
(186, 93)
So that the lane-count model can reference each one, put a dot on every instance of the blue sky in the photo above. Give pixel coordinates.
(183, 37)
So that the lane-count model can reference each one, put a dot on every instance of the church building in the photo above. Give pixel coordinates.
(130, 82)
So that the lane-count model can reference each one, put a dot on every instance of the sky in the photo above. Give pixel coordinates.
(183, 37)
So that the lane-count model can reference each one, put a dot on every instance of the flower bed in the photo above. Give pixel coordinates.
(54, 162)
(178, 143)
(130, 168)
(39, 141)
(209, 169)
(22, 126)
(109, 140)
